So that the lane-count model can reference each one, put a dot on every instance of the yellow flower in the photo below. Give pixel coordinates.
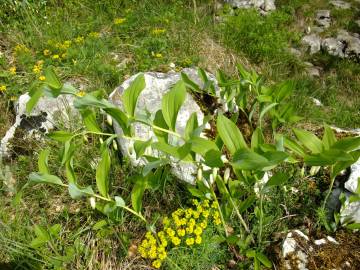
(36, 69)
(55, 56)
(198, 230)
(94, 34)
(189, 229)
(166, 221)
(198, 240)
(63, 55)
(203, 225)
(156, 264)
(13, 98)
(190, 241)
(162, 255)
(21, 48)
(170, 232)
(158, 31)
(119, 21)
(81, 93)
(181, 232)
(67, 43)
(176, 240)
(42, 78)
(206, 213)
(12, 70)
(2, 88)
(217, 221)
(46, 52)
(158, 55)
(79, 39)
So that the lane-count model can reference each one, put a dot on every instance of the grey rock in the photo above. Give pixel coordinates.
(149, 101)
(317, 29)
(295, 52)
(352, 44)
(340, 4)
(312, 42)
(48, 112)
(323, 18)
(264, 5)
(333, 46)
(312, 70)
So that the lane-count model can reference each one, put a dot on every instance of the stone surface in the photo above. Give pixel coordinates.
(157, 84)
(43, 117)
(340, 4)
(312, 42)
(264, 5)
(333, 46)
(323, 18)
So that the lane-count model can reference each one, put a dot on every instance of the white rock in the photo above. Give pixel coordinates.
(316, 102)
(313, 42)
(340, 4)
(45, 114)
(157, 84)
(265, 5)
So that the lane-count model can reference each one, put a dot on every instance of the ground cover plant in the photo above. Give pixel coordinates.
(71, 201)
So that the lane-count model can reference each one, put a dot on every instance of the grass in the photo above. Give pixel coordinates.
(153, 35)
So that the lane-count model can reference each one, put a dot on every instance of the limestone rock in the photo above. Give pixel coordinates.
(264, 5)
(149, 101)
(323, 18)
(333, 46)
(313, 43)
(340, 4)
(43, 117)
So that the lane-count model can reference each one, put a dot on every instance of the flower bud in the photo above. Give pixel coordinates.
(101, 140)
(199, 174)
(226, 175)
(92, 202)
(115, 146)
(109, 120)
(224, 159)
(215, 172)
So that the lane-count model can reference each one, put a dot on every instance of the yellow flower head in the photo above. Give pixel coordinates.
(2, 88)
(63, 55)
(156, 264)
(13, 98)
(55, 56)
(175, 240)
(36, 69)
(158, 55)
(190, 241)
(12, 70)
(198, 240)
(21, 48)
(42, 78)
(170, 232)
(79, 39)
(81, 93)
(94, 34)
(198, 230)
(181, 232)
(67, 43)
(46, 52)
(158, 31)
(118, 21)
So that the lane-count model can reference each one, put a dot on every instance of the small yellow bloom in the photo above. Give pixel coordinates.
(55, 56)
(156, 264)
(158, 55)
(42, 78)
(46, 52)
(190, 241)
(81, 93)
(170, 232)
(181, 232)
(67, 43)
(2, 88)
(12, 70)
(79, 39)
(198, 230)
(198, 240)
(94, 34)
(158, 31)
(13, 98)
(162, 255)
(118, 21)
(63, 55)
(175, 240)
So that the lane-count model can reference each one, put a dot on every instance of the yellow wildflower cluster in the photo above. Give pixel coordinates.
(158, 31)
(12, 70)
(81, 93)
(79, 40)
(21, 48)
(38, 67)
(94, 34)
(185, 226)
(118, 21)
(2, 88)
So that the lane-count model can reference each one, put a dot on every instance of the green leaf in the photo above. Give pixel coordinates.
(244, 205)
(89, 119)
(42, 237)
(347, 144)
(91, 101)
(78, 193)
(120, 118)
(45, 178)
(329, 137)
(294, 146)
(266, 109)
(137, 194)
(43, 161)
(353, 226)
(119, 201)
(221, 186)
(213, 159)
(328, 157)
(69, 170)
(202, 146)
(191, 126)
(160, 122)
(102, 173)
(309, 140)
(263, 259)
(230, 134)
(189, 83)
(248, 160)
(51, 79)
(257, 138)
(60, 136)
(277, 180)
(172, 102)
(175, 151)
(131, 94)
(140, 147)
(34, 99)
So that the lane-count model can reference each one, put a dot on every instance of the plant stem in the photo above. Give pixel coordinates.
(173, 263)
(261, 218)
(331, 187)
(239, 215)
(219, 209)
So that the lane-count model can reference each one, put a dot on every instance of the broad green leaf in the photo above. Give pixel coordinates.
(248, 160)
(172, 102)
(191, 125)
(60, 136)
(42, 237)
(347, 144)
(353, 226)
(257, 138)
(43, 161)
(89, 119)
(329, 137)
(284, 90)
(152, 165)
(45, 178)
(230, 134)
(244, 205)
(263, 259)
(275, 157)
(328, 157)
(159, 121)
(120, 118)
(294, 146)
(213, 159)
(266, 109)
(174, 151)
(91, 101)
(78, 193)
(137, 194)
(34, 99)
(102, 173)
(131, 94)
(277, 180)
(51, 79)
(189, 83)
(202, 146)
(140, 147)
(69, 170)
(309, 140)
